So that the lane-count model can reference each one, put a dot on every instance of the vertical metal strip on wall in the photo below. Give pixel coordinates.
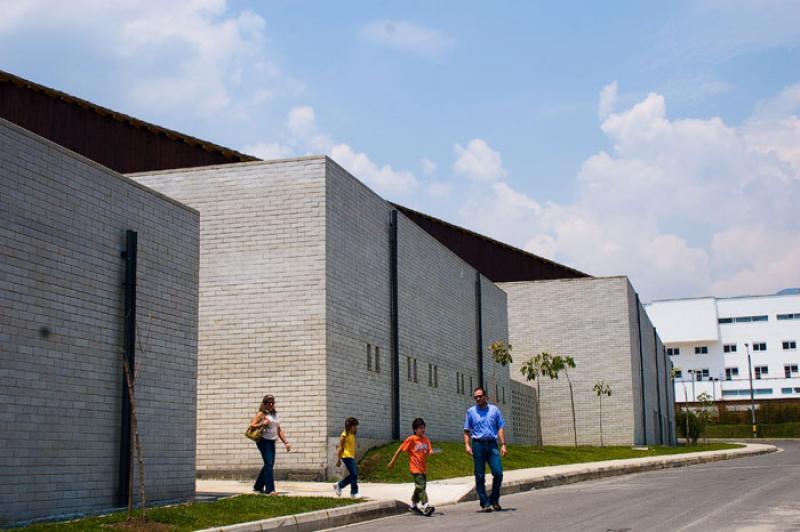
(479, 329)
(395, 332)
(641, 371)
(129, 352)
(658, 390)
(669, 390)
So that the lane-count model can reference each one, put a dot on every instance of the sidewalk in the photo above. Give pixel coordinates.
(393, 498)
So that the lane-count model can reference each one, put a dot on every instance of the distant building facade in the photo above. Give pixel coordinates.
(708, 339)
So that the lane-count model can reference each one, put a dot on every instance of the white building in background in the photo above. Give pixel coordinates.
(708, 340)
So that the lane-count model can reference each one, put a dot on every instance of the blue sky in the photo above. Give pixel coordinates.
(655, 140)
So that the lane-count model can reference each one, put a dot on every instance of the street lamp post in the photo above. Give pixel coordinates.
(752, 400)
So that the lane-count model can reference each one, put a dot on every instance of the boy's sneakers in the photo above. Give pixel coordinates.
(337, 489)
(496, 507)
(415, 509)
(354, 495)
(486, 509)
(428, 511)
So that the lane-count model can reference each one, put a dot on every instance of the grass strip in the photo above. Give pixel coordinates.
(199, 515)
(454, 462)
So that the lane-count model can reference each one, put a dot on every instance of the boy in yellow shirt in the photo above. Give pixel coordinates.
(346, 452)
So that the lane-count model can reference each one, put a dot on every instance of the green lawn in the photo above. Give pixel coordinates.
(196, 516)
(454, 462)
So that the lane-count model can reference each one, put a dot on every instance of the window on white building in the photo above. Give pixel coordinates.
(699, 374)
(701, 350)
(678, 374)
(790, 370)
(671, 351)
(729, 348)
(745, 319)
(760, 371)
(730, 373)
(759, 346)
(795, 316)
(789, 344)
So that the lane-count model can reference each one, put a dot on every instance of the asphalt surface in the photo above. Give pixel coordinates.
(760, 493)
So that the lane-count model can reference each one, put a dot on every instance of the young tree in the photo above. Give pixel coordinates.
(535, 369)
(705, 414)
(563, 364)
(501, 354)
(601, 388)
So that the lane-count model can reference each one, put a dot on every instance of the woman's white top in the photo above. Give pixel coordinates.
(271, 430)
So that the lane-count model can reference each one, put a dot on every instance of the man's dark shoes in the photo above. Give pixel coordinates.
(496, 507)
(429, 510)
(486, 509)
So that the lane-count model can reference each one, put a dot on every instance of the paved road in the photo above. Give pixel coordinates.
(761, 493)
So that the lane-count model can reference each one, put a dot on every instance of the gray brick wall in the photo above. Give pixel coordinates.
(437, 319)
(523, 414)
(294, 291)
(262, 307)
(654, 414)
(587, 319)
(62, 227)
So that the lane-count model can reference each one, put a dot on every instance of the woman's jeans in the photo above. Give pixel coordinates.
(265, 481)
(352, 477)
(484, 452)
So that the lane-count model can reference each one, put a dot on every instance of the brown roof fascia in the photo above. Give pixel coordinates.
(524, 254)
(6, 77)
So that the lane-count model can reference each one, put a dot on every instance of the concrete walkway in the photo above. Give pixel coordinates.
(390, 499)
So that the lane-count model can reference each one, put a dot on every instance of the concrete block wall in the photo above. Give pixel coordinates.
(523, 414)
(262, 307)
(358, 308)
(438, 326)
(649, 369)
(437, 319)
(588, 319)
(63, 220)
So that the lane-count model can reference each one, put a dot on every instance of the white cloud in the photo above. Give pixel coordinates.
(478, 161)
(194, 58)
(684, 207)
(301, 121)
(439, 190)
(608, 97)
(384, 179)
(268, 151)
(428, 166)
(303, 136)
(406, 36)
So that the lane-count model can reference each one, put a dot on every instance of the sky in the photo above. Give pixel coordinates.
(657, 140)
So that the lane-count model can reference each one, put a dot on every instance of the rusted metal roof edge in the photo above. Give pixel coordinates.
(228, 153)
(488, 239)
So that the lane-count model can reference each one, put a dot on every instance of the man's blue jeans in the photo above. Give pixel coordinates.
(352, 477)
(265, 481)
(484, 452)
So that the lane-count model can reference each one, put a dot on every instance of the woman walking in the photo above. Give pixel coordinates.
(267, 419)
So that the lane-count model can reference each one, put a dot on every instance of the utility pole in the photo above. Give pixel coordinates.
(752, 400)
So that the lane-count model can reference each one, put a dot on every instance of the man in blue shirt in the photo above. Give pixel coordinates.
(483, 427)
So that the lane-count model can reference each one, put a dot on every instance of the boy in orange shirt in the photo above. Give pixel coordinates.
(418, 447)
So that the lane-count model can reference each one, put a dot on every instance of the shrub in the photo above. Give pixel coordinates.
(695, 427)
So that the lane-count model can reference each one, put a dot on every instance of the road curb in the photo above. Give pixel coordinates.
(611, 470)
(320, 519)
